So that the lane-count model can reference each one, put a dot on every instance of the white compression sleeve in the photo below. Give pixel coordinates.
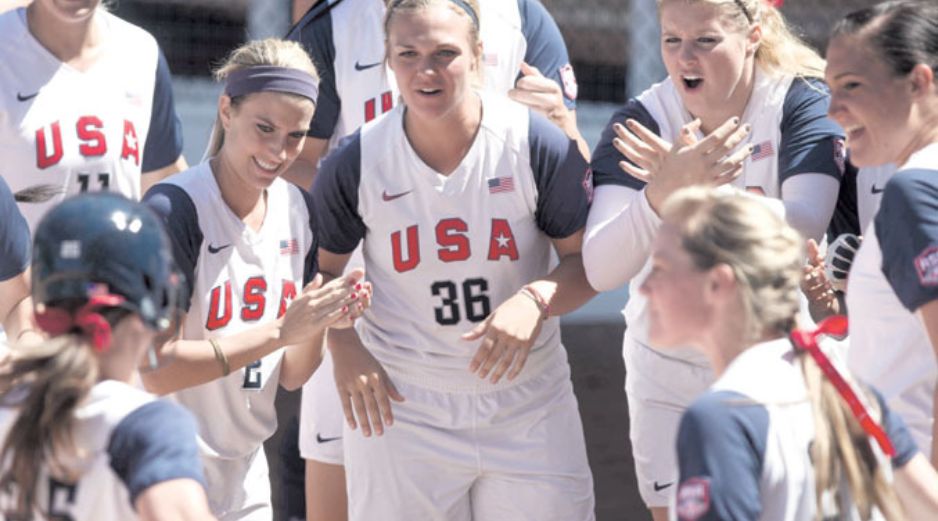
(809, 201)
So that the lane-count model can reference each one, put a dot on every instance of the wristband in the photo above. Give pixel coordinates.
(538, 299)
(220, 356)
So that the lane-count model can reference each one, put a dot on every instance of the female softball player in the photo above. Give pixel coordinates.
(246, 241)
(457, 198)
(346, 41)
(15, 306)
(882, 72)
(742, 105)
(782, 434)
(86, 104)
(80, 440)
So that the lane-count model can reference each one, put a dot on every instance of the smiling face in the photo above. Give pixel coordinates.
(677, 293)
(433, 58)
(263, 135)
(868, 100)
(709, 58)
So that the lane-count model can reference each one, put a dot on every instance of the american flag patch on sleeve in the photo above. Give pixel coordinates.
(762, 150)
(289, 247)
(498, 185)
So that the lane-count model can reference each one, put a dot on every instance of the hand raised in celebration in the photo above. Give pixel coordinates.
(318, 307)
(507, 336)
(822, 301)
(669, 167)
(540, 93)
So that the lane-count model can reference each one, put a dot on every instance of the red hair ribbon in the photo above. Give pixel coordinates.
(775, 3)
(56, 321)
(807, 341)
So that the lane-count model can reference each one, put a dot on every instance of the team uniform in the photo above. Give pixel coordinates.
(791, 136)
(237, 278)
(894, 274)
(744, 446)
(64, 131)
(126, 441)
(356, 87)
(443, 253)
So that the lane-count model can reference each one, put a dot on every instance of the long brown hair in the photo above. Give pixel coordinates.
(45, 383)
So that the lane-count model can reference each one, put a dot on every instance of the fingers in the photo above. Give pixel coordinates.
(646, 135)
(814, 253)
(520, 360)
(477, 332)
(530, 70)
(482, 354)
(689, 132)
(495, 353)
(634, 171)
(348, 409)
(504, 364)
(721, 135)
(543, 102)
(316, 283)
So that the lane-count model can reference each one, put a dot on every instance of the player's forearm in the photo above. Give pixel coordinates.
(301, 173)
(619, 234)
(567, 122)
(566, 287)
(187, 363)
(300, 362)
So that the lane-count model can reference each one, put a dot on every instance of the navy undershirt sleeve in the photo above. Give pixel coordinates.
(605, 163)
(846, 218)
(153, 444)
(811, 142)
(14, 236)
(898, 433)
(174, 206)
(164, 139)
(907, 230)
(721, 443)
(314, 32)
(335, 198)
(546, 48)
(563, 178)
(311, 264)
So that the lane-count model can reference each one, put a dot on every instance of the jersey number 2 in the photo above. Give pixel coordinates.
(252, 376)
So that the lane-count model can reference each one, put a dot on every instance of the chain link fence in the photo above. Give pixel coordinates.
(613, 44)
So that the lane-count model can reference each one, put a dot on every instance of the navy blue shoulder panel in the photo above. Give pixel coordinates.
(811, 142)
(314, 32)
(335, 197)
(605, 163)
(562, 176)
(164, 138)
(907, 230)
(153, 444)
(846, 218)
(14, 236)
(721, 444)
(311, 264)
(181, 219)
(546, 48)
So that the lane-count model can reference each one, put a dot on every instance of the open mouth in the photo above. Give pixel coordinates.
(429, 92)
(692, 82)
(270, 168)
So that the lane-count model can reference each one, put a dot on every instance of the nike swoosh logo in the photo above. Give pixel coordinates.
(20, 97)
(360, 67)
(659, 488)
(875, 190)
(387, 197)
(216, 249)
(320, 439)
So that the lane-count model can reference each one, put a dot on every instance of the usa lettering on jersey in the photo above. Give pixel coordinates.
(253, 298)
(452, 237)
(91, 141)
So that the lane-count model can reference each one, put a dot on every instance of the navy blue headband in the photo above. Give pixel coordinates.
(270, 78)
(461, 3)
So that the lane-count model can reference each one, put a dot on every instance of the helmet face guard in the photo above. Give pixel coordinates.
(103, 243)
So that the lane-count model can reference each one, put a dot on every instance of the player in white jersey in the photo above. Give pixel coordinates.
(457, 198)
(783, 434)
(86, 104)
(246, 241)
(345, 39)
(882, 71)
(15, 306)
(80, 440)
(742, 106)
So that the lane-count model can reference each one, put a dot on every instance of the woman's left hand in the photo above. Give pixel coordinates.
(507, 336)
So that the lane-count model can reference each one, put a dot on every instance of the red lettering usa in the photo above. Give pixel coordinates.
(253, 298)
(452, 236)
(91, 141)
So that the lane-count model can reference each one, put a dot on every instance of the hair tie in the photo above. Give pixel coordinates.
(93, 325)
(271, 78)
(807, 341)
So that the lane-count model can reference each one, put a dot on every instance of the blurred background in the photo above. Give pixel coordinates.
(613, 47)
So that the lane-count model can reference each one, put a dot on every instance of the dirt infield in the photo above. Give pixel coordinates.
(598, 376)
